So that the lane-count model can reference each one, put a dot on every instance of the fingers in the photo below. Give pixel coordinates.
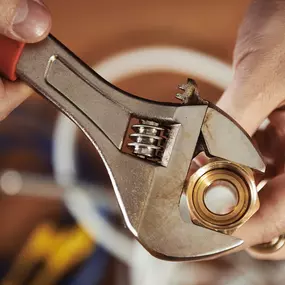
(258, 88)
(24, 20)
(11, 96)
(269, 222)
(258, 84)
(271, 143)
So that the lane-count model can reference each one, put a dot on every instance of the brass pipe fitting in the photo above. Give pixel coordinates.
(230, 175)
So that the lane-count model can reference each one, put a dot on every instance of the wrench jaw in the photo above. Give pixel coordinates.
(225, 139)
(180, 241)
(160, 228)
(149, 198)
(150, 195)
(233, 158)
(162, 231)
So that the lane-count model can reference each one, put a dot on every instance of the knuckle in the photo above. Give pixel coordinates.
(261, 75)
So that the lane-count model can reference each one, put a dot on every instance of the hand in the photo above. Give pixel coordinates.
(26, 21)
(258, 88)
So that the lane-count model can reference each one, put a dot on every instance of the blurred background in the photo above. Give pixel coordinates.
(46, 241)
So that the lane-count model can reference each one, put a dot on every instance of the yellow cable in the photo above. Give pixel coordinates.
(60, 249)
(34, 250)
(73, 251)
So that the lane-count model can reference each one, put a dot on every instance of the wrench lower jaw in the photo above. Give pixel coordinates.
(176, 240)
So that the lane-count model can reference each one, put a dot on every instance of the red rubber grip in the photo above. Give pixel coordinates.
(10, 53)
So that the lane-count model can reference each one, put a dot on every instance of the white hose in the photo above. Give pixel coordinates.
(85, 211)
(146, 269)
(175, 59)
(64, 150)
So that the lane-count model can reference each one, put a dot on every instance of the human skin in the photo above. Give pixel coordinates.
(255, 93)
(27, 21)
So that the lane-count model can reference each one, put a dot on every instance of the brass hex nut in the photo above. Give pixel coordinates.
(240, 178)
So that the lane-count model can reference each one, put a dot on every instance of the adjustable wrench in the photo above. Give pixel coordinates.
(147, 147)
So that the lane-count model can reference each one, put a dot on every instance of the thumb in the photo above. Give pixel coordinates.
(259, 71)
(251, 98)
(24, 20)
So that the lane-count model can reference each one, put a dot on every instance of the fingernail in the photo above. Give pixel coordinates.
(32, 20)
